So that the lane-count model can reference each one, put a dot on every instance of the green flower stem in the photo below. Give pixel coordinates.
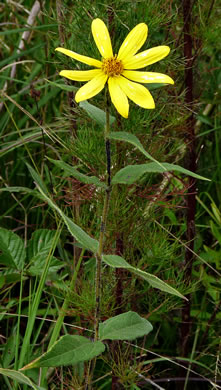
(99, 265)
(103, 223)
(98, 279)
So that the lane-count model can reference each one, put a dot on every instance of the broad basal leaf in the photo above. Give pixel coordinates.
(68, 350)
(126, 326)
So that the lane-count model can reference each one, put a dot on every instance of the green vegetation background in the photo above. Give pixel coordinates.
(147, 221)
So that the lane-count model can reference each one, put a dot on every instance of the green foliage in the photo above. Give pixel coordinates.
(12, 249)
(132, 139)
(82, 237)
(126, 326)
(96, 113)
(71, 171)
(19, 377)
(154, 281)
(68, 350)
(133, 173)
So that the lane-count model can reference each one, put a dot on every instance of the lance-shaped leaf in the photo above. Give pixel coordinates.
(68, 350)
(133, 173)
(126, 326)
(133, 140)
(72, 171)
(119, 262)
(19, 377)
(155, 282)
(12, 249)
(81, 236)
(95, 113)
(116, 261)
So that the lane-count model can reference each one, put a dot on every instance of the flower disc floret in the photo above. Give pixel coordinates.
(112, 66)
(119, 71)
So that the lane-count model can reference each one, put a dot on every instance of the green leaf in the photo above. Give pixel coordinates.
(9, 349)
(96, 113)
(126, 326)
(155, 282)
(40, 244)
(19, 377)
(132, 139)
(37, 178)
(13, 250)
(80, 176)
(68, 350)
(37, 267)
(81, 236)
(37, 251)
(13, 278)
(118, 262)
(133, 173)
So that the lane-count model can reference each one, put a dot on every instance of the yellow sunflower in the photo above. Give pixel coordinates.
(118, 70)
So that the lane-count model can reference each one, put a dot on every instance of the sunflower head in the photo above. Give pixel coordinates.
(120, 70)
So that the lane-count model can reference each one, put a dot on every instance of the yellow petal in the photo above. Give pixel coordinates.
(133, 42)
(80, 75)
(137, 93)
(92, 88)
(118, 97)
(146, 57)
(102, 38)
(147, 77)
(86, 60)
